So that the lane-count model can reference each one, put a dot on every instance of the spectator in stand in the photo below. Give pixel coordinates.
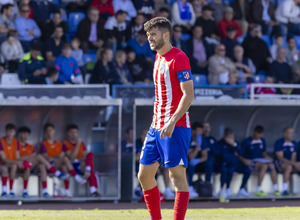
(176, 38)
(125, 5)
(291, 51)
(183, 14)
(77, 54)
(51, 77)
(139, 68)
(138, 24)
(218, 7)
(53, 46)
(50, 26)
(257, 49)
(12, 51)
(233, 78)
(198, 50)
(117, 29)
(267, 91)
(296, 70)
(285, 150)
(27, 28)
(198, 6)
(76, 5)
(123, 75)
(263, 13)
(208, 23)
(105, 8)
(277, 44)
(67, 66)
(226, 21)
(104, 70)
(31, 68)
(220, 66)
(6, 24)
(141, 46)
(163, 12)
(147, 7)
(24, 2)
(242, 13)
(287, 13)
(90, 31)
(127, 143)
(244, 65)
(229, 41)
(279, 69)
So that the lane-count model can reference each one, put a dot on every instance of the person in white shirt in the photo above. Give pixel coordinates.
(183, 14)
(125, 5)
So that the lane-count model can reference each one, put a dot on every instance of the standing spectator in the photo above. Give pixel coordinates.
(244, 65)
(183, 14)
(90, 31)
(147, 7)
(198, 6)
(226, 21)
(279, 69)
(27, 28)
(277, 44)
(256, 49)
(67, 66)
(296, 70)
(12, 51)
(105, 8)
(198, 50)
(242, 13)
(50, 26)
(125, 5)
(218, 7)
(31, 68)
(123, 75)
(229, 41)
(77, 54)
(291, 51)
(219, 66)
(138, 24)
(163, 12)
(176, 37)
(6, 24)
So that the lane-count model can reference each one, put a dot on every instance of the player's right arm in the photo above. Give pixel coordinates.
(280, 157)
(7, 161)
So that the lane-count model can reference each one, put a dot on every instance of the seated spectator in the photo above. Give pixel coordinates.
(104, 70)
(274, 47)
(56, 20)
(285, 150)
(163, 12)
(226, 21)
(296, 70)
(147, 7)
(91, 31)
(183, 14)
(279, 69)
(176, 38)
(141, 46)
(229, 41)
(77, 54)
(77, 5)
(233, 78)
(198, 50)
(31, 68)
(52, 76)
(127, 143)
(254, 149)
(208, 23)
(266, 90)
(117, 29)
(105, 8)
(6, 24)
(24, 2)
(256, 49)
(12, 51)
(197, 156)
(123, 75)
(138, 24)
(219, 66)
(291, 51)
(218, 7)
(244, 65)
(125, 5)
(263, 13)
(139, 68)
(53, 46)
(242, 14)
(198, 6)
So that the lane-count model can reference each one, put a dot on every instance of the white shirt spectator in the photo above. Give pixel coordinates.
(111, 24)
(125, 5)
(176, 19)
(287, 11)
(11, 51)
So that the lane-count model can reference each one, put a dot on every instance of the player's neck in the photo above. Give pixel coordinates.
(50, 140)
(165, 49)
(8, 140)
(22, 143)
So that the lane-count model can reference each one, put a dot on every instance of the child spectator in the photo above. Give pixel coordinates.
(267, 91)
(77, 54)
(277, 44)
(52, 76)
(122, 71)
(291, 51)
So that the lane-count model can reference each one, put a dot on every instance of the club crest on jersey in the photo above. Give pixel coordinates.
(186, 74)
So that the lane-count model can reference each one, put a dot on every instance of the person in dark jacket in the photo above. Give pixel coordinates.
(176, 37)
(49, 28)
(242, 14)
(229, 41)
(91, 32)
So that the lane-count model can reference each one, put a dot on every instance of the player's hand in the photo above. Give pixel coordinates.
(167, 130)
(248, 162)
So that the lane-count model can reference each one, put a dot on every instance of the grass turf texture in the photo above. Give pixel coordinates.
(192, 214)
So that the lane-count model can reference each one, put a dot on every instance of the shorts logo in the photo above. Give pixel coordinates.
(186, 74)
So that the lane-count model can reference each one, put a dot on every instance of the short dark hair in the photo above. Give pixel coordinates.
(259, 129)
(66, 46)
(52, 72)
(10, 126)
(75, 39)
(176, 26)
(48, 125)
(128, 50)
(24, 129)
(196, 125)
(164, 9)
(278, 36)
(5, 7)
(142, 32)
(228, 131)
(12, 33)
(141, 14)
(120, 12)
(92, 8)
(160, 23)
(290, 37)
(58, 26)
(36, 47)
(128, 130)
(71, 126)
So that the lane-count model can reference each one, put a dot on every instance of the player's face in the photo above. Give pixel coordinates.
(23, 136)
(73, 134)
(50, 133)
(289, 134)
(206, 129)
(155, 38)
(10, 133)
(258, 135)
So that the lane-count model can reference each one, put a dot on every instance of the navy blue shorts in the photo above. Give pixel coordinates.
(169, 152)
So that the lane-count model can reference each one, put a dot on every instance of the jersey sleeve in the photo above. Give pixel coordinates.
(1, 146)
(64, 148)
(278, 146)
(42, 149)
(182, 68)
(83, 145)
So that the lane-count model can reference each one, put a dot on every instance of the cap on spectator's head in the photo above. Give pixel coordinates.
(36, 47)
(120, 12)
(228, 10)
(12, 33)
(230, 28)
(24, 129)
(207, 8)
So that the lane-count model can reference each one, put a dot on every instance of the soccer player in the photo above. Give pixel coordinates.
(254, 149)
(83, 162)
(27, 153)
(53, 152)
(285, 150)
(167, 141)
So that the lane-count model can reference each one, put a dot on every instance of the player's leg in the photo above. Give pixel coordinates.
(286, 170)
(89, 173)
(246, 171)
(224, 174)
(273, 173)
(12, 175)
(230, 172)
(4, 178)
(261, 168)
(296, 167)
(70, 168)
(168, 192)
(25, 182)
(43, 174)
(209, 166)
(191, 171)
(66, 182)
(39, 159)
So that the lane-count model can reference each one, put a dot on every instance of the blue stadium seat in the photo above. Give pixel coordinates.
(297, 41)
(87, 58)
(74, 20)
(240, 39)
(266, 38)
(92, 51)
(200, 79)
(185, 37)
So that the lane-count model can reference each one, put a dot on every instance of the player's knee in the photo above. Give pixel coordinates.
(142, 177)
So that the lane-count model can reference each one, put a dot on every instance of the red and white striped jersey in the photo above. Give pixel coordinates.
(169, 71)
